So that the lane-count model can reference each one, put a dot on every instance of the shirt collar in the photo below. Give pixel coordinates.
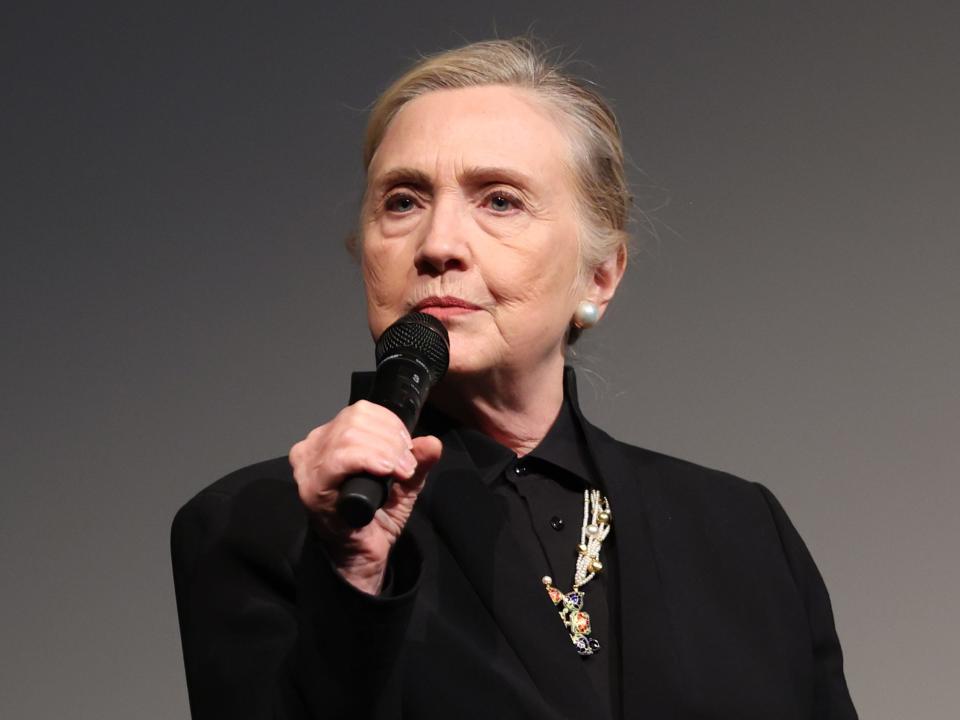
(564, 445)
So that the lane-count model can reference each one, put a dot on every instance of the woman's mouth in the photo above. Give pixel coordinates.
(445, 307)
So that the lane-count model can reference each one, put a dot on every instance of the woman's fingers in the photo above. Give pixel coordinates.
(363, 452)
(378, 419)
(427, 451)
(362, 438)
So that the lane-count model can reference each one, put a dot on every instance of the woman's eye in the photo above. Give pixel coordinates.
(502, 202)
(399, 203)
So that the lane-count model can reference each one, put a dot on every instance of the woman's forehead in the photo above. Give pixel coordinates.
(481, 127)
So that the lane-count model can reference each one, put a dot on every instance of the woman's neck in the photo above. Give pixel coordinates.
(516, 409)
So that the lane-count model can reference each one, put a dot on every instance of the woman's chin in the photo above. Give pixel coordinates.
(463, 368)
(467, 360)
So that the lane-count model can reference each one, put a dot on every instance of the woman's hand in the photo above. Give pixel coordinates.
(363, 437)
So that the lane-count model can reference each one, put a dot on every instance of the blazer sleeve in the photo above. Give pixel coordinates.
(269, 628)
(831, 695)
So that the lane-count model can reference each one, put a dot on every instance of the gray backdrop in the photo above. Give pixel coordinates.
(177, 302)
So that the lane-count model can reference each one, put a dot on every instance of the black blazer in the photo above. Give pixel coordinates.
(722, 612)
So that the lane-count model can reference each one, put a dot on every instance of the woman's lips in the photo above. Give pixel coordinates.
(442, 312)
(445, 307)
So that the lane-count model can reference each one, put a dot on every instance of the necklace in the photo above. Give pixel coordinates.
(595, 528)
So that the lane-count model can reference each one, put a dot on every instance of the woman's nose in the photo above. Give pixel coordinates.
(443, 246)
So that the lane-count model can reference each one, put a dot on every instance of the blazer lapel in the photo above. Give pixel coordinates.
(649, 669)
(466, 516)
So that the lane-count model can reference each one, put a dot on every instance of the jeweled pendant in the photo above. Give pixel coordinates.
(574, 618)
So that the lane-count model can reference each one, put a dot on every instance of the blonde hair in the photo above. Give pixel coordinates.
(595, 139)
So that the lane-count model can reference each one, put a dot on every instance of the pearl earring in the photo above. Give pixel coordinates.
(586, 315)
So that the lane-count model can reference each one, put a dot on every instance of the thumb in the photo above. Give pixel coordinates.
(426, 451)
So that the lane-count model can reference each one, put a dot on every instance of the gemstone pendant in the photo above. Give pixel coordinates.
(575, 619)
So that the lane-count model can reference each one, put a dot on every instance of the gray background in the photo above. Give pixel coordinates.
(177, 302)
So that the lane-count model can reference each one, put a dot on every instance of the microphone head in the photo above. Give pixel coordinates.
(421, 336)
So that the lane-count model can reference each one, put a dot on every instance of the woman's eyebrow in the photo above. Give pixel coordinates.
(486, 175)
(402, 176)
(475, 176)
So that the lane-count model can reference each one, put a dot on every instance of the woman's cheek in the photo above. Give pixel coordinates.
(530, 275)
(395, 228)
(378, 276)
(507, 230)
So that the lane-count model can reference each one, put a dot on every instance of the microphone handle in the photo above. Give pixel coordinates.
(401, 385)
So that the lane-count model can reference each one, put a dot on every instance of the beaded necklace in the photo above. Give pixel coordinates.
(595, 528)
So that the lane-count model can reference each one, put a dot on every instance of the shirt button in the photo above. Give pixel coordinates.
(556, 522)
(520, 468)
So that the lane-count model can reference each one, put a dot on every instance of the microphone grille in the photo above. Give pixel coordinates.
(421, 335)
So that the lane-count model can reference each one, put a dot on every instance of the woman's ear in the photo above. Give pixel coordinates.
(606, 277)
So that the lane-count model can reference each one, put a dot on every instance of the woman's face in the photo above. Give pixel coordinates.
(470, 215)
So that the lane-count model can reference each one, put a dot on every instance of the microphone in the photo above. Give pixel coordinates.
(412, 355)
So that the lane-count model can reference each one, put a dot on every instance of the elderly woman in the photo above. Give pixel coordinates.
(525, 564)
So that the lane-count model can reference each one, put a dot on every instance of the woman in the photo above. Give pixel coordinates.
(526, 565)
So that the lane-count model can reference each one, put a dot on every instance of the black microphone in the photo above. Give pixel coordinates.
(412, 355)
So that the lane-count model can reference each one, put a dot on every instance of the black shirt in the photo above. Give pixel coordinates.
(542, 496)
